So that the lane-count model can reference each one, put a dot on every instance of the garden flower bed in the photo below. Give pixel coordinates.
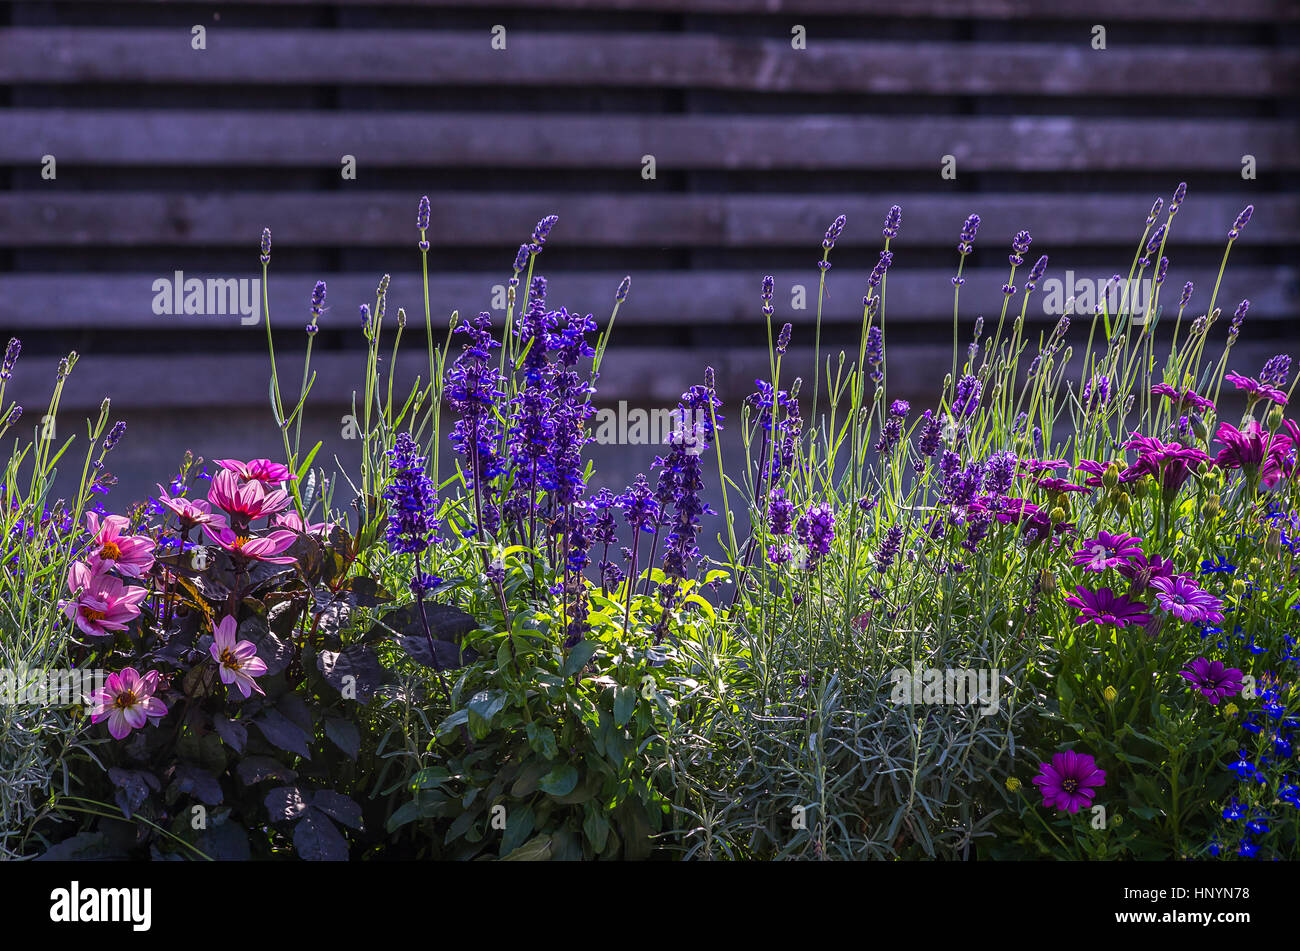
(1052, 614)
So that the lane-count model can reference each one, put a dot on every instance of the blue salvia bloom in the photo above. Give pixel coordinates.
(317, 307)
(624, 286)
(999, 472)
(114, 435)
(695, 415)
(1038, 440)
(640, 510)
(974, 347)
(531, 330)
(1158, 204)
(365, 320)
(381, 301)
(521, 258)
(1276, 370)
(11, 357)
(900, 408)
(15, 411)
(1162, 269)
(949, 463)
(473, 390)
(266, 245)
(977, 528)
(563, 467)
(1152, 245)
(1186, 296)
(892, 221)
(769, 285)
(968, 230)
(1184, 427)
(1036, 273)
(1243, 219)
(412, 513)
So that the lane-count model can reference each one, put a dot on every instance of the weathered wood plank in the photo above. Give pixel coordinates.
(670, 299)
(646, 377)
(459, 219)
(165, 138)
(328, 57)
(1265, 11)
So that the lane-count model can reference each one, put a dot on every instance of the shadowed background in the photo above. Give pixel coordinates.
(170, 158)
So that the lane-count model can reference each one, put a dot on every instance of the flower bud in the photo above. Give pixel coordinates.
(1123, 504)
(1047, 582)
(1110, 478)
(1230, 710)
(1110, 694)
(1057, 515)
(1274, 418)
(1273, 543)
(1239, 587)
(1211, 507)
(1012, 784)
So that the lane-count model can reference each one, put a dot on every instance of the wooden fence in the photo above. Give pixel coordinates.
(169, 158)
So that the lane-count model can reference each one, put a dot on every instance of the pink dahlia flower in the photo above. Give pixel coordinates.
(191, 512)
(258, 470)
(236, 660)
(104, 605)
(131, 555)
(245, 501)
(266, 548)
(127, 702)
(1069, 782)
(292, 520)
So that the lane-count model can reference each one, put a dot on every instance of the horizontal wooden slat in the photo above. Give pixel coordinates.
(1154, 10)
(659, 298)
(651, 377)
(161, 138)
(378, 219)
(373, 57)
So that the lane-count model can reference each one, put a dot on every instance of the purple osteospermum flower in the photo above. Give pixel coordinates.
(1106, 607)
(1180, 596)
(1070, 781)
(1257, 389)
(1107, 551)
(1212, 679)
(1188, 397)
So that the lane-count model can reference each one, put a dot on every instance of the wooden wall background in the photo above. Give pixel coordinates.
(174, 159)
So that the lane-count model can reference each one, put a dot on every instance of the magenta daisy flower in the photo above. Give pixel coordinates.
(1143, 569)
(1255, 389)
(1069, 781)
(1106, 607)
(1108, 551)
(1180, 596)
(1212, 679)
(1054, 485)
(1184, 400)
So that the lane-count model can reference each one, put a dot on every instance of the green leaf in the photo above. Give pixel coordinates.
(459, 718)
(624, 704)
(519, 826)
(306, 464)
(578, 657)
(560, 781)
(596, 826)
(537, 849)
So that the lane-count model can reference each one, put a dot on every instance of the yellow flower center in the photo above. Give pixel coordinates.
(229, 660)
(110, 551)
(126, 698)
(90, 614)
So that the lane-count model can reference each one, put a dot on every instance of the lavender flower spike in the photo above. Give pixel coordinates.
(10, 358)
